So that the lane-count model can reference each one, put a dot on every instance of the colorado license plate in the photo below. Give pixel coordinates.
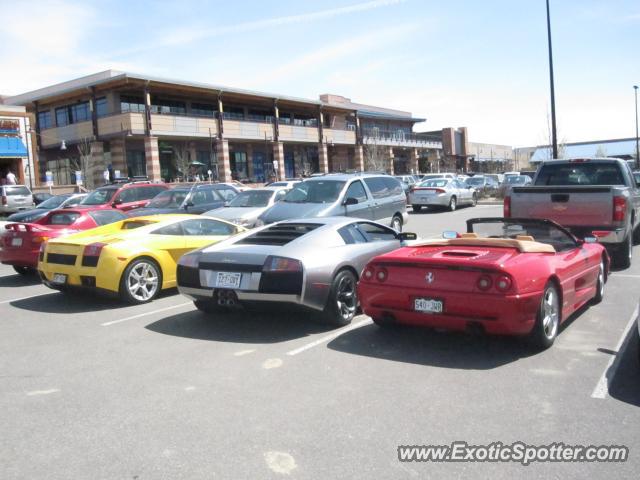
(59, 279)
(427, 305)
(228, 280)
(16, 242)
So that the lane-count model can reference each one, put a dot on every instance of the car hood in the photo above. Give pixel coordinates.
(233, 213)
(141, 212)
(286, 211)
(32, 215)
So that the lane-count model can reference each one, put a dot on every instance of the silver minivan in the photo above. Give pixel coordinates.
(361, 195)
(14, 198)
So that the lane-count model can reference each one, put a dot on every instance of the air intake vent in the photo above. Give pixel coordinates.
(279, 234)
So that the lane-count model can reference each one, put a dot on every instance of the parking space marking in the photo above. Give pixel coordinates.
(42, 392)
(329, 337)
(145, 314)
(242, 353)
(25, 298)
(624, 275)
(602, 388)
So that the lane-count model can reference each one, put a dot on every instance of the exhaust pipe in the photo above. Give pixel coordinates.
(227, 298)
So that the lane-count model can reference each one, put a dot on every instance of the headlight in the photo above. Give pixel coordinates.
(190, 260)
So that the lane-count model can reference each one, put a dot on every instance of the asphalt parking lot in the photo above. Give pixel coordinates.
(91, 388)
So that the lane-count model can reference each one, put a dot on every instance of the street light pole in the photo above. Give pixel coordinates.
(554, 139)
(635, 88)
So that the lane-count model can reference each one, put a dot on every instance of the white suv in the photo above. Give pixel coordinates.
(14, 198)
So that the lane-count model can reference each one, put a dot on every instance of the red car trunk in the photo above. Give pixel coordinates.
(21, 242)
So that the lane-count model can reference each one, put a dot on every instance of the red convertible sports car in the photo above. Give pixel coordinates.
(20, 242)
(504, 276)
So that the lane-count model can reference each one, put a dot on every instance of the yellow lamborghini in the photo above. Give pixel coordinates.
(135, 258)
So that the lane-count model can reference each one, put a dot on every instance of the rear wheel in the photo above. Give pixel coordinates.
(453, 203)
(141, 281)
(547, 323)
(416, 208)
(343, 299)
(597, 298)
(24, 270)
(622, 256)
(396, 223)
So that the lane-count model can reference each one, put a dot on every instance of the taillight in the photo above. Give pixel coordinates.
(439, 190)
(484, 282)
(503, 283)
(4, 199)
(382, 275)
(368, 273)
(39, 240)
(507, 207)
(619, 209)
(93, 250)
(282, 264)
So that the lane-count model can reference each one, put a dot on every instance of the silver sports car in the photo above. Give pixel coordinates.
(313, 263)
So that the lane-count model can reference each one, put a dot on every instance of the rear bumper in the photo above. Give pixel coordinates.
(613, 235)
(19, 257)
(496, 314)
(209, 294)
(438, 200)
(105, 277)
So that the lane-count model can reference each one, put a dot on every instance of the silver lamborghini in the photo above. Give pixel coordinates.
(313, 263)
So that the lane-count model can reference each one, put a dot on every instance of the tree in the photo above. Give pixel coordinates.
(181, 158)
(376, 157)
(601, 152)
(83, 162)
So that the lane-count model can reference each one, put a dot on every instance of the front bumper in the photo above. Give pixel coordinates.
(496, 314)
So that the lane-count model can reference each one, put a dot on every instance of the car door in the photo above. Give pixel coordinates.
(363, 209)
(126, 199)
(395, 197)
(461, 192)
(376, 188)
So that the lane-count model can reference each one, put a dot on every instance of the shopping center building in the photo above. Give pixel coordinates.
(132, 125)
(16, 144)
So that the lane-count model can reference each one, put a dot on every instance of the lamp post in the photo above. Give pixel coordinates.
(554, 139)
(635, 88)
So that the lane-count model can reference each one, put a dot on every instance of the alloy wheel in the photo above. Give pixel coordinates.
(346, 299)
(550, 311)
(142, 281)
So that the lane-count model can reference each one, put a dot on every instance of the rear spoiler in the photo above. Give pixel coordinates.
(26, 227)
(563, 189)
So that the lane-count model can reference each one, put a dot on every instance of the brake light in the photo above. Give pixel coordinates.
(282, 264)
(382, 275)
(619, 208)
(37, 240)
(484, 282)
(503, 283)
(507, 207)
(368, 273)
(93, 250)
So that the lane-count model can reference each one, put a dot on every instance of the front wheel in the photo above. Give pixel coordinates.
(24, 270)
(141, 281)
(547, 323)
(396, 223)
(453, 204)
(343, 299)
(599, 295)
(622, 256)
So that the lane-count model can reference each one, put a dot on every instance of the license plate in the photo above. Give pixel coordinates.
(59, 279)
(228, 280)
(16, 242)
(428, 305)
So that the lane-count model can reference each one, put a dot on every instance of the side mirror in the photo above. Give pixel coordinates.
(116, 202)
(404, 236)
(449, 234)
(350, 201)
(188, 204)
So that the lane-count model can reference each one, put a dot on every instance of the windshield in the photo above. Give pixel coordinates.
(99, 197)
(541, 231)
(53, 202)
(258, 198)
(586, 173)
(475, 181)
(321, 191)
(17, 190)
(168, 199)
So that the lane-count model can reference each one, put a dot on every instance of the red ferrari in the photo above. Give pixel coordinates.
(504, 276)
(20, 242)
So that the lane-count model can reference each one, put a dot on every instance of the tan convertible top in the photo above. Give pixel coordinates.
(525, 246)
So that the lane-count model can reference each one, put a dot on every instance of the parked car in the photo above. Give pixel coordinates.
(498, 177)
(442, 192)
(247, 206)
(312, 263)
(429, 176)
(636, 177)
(122, 195)
(195, 200)
(504, 276)
(238, 186)
(484, 185)
(21, 241)
(284, 183)
(133, 258)
(15, 198)
(65, 200)
(371, 196)
(511, 181)
(40, 197)
(590, 196)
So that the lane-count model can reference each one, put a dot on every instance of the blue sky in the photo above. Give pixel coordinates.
(465, 63)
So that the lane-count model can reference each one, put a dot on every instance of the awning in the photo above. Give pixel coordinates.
(12, 147)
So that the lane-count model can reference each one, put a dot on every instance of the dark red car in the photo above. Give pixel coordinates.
(504, 276)
(20, 242)
(123, 196)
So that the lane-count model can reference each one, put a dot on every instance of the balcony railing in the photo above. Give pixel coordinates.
(401, 138)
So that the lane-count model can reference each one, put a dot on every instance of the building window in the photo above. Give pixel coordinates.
(168, 107)
(102, 108)
(260, 115)
(136, 163)
(234, 113)
(203, 109)
(239, 165)
(62, 116)
(44, 120)
(80, 112)
(132, 104)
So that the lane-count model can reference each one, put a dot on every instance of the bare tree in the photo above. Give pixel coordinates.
(83, 162)
(181, 158)
(601, 152)
(376, 157)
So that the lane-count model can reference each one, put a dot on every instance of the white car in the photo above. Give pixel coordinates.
(245, 208)
(442, 192)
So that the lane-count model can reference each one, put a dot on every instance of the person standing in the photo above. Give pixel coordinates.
(11, 178)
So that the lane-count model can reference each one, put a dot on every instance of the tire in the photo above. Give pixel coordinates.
(636, 235)
(396, 223)
(342, 303)
(474, 200)
(622, 254)
(545, 329)
(416, 208)
(149, 277)
(599, 295)
(209, 306)
(24, 270)
(453, 203)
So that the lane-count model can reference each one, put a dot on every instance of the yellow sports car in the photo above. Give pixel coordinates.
(135, 258)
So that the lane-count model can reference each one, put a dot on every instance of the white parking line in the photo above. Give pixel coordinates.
(26, 298)
(624, 275)
(145, 314)
(329, 337)
(42, 392)
(602, 388)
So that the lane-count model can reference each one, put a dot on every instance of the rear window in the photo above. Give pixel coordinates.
(587, 173)
(63, 218)
(279, 234)
(17, 190)
(99, 197)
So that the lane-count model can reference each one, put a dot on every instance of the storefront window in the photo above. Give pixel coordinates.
(239, 165)
(136, 164)
(45, 120)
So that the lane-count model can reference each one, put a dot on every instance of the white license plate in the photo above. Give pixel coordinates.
(428, 305)
(228, 280)
(16, 242)
(59, 279)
